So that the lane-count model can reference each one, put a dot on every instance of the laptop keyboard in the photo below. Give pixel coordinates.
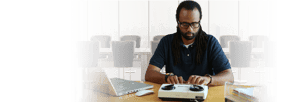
(121, 84)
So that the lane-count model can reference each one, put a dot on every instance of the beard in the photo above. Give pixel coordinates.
(185, 35)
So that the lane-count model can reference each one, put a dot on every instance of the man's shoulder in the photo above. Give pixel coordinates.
(168, 37)
(211, 38)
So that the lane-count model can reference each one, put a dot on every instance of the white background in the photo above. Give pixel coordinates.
(220, 17)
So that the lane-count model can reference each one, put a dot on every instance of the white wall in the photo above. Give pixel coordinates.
(272, 6)
(81, 20)
(133, 16)
(205, 17)
(223, 18)
(102, 18)
(150, 18)
(255, 19)
(162, 19)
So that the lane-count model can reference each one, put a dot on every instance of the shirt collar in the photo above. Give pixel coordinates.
(181, 42)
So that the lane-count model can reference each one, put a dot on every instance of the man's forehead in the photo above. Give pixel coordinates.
(189, 15)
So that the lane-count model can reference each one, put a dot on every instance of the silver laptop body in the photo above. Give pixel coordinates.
(117, 86)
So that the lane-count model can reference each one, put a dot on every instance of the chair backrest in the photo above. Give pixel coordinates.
(258, 40)
(123, 53)
(103, 39)
(224, 39)
(88, 53)
(154, 45)
(135, 38)
(158, 37)
(240, 53)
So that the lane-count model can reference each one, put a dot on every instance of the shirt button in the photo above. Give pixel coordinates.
(188, 55)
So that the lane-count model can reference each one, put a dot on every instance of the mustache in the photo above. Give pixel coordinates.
(189, 33)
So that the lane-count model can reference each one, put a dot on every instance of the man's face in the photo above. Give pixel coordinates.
(189, 16)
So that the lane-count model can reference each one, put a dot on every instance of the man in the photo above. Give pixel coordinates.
(193, 56)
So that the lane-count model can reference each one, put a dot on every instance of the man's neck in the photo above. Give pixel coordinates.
(187, 42)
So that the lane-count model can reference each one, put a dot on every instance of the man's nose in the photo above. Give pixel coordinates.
(189, 29)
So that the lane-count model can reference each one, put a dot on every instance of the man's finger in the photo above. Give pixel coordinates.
(169, 81)
(198, 81)
(180, 80)
(190, 78)
(176, 79)
(201, 81)
(172, 79)
(193, 81)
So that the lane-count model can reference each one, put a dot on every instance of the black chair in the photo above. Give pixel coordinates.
(103, 39)
(225, 39)
(123, 54)
(135, 38)
(240, 55)
(158, 37)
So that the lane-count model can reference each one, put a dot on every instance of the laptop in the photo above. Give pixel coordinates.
(117, 86)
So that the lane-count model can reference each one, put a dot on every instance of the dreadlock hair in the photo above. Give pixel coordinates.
(201, 38)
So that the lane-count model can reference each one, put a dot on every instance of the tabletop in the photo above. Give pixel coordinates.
(215, 94)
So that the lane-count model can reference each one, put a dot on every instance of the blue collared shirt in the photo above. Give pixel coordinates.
(213, 59)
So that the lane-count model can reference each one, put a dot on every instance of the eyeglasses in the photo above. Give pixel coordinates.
(186, 25)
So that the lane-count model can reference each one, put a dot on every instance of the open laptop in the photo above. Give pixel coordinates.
(117, 86)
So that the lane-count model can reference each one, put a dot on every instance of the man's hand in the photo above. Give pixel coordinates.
(198, 80)
(175, 80)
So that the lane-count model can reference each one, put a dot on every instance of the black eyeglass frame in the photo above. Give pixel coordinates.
(189, 24)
